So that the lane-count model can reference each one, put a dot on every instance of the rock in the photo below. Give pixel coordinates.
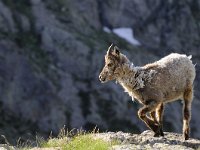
(125, 13)
(84, 8)
(44, 18)
(5, 147)
(164, 29)
(6, 21)
(24, 22)
(157, 31)
(146, 140)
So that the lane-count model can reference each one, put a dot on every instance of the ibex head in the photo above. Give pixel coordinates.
(112, 67)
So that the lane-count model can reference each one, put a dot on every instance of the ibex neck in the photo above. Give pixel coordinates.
(131, 78)
(134, 78)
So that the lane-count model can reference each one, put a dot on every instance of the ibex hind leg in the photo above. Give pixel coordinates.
(188, 96)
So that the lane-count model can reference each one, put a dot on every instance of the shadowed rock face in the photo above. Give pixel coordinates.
(51, 53)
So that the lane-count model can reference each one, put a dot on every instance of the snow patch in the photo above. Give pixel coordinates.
(127, 34)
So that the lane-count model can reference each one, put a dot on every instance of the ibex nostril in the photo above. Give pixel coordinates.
(101, 78)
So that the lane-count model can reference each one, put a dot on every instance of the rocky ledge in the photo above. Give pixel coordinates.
(146, 140)
(143, 141)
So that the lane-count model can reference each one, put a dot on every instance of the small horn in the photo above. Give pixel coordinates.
(110, 48)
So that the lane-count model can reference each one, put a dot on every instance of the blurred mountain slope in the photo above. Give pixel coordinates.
(51, 52)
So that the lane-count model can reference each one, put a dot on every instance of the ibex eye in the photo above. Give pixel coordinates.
(110, 65)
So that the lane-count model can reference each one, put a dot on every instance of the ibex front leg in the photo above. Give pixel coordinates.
(142, 113)
(159, 114)
(157, 117)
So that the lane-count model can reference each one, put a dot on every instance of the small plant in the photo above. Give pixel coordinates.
(77, 140)
(55, 142)
(87, 142)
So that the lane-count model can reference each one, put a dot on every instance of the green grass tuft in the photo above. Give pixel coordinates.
(55, 142)
(78, 141)
(86, 142)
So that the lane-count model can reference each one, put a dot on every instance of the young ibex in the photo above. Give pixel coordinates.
(153, 85)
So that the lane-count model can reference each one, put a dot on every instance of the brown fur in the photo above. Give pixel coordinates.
(153, 85)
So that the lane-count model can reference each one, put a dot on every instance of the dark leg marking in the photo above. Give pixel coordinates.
(186, 120)
(153, 116)
(157, 117)
(188, 95)
(159, 112)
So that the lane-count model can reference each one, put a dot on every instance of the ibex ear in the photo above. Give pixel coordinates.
(116, 51)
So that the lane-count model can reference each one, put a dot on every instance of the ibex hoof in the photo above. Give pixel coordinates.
(159, 132)
(186, 137)
(156, 135)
